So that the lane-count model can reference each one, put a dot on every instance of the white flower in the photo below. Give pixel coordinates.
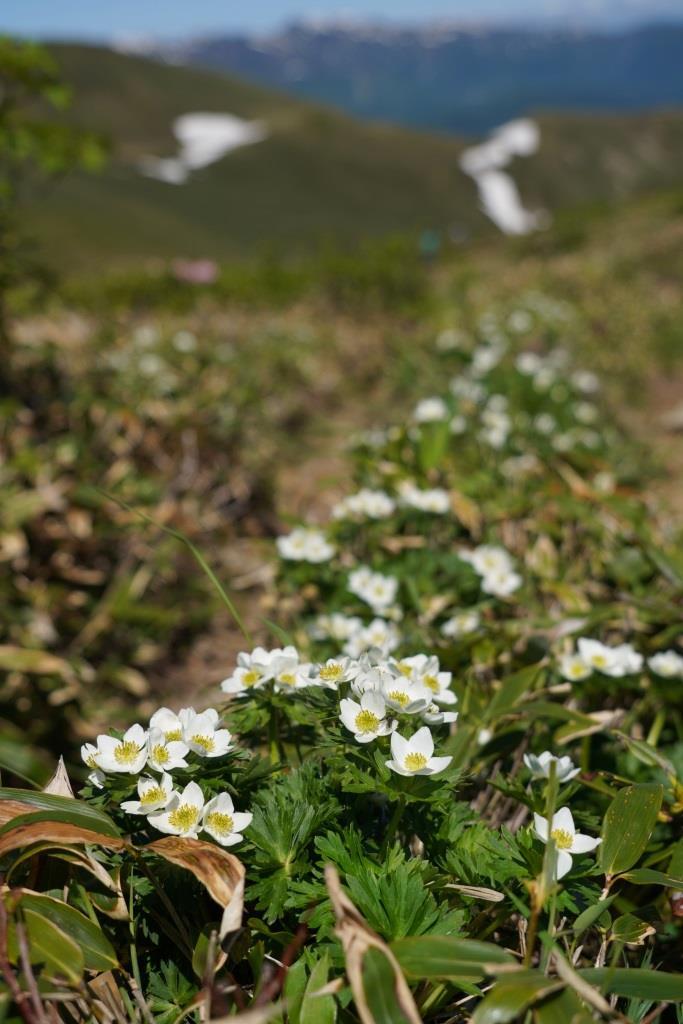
(484, 358)
(336, 626)
(168, 723)
(667, 664)
(201, 734)
(182, 814)
(89, 754)
(406, 695)
(126, 755)
(430, 410)
(434, 715)
(414, 756)
(305, 545)
(372, 587)
(223, 822)
(461, 624)
(567, 840)
(618, 661)
(539, 766)
(469, 390)
(528, 363)
(586, 412)
(574, 668)
(153, 795)
(252, 671)
(545, 423)
(373, 504)
(334, 672)
(487, 558)
(165, 755)
(585, 381)
(435, 499)
(287, 671)
(424, 669)
(380, 635)
(458, 425)
(367, 719)
(501, 583)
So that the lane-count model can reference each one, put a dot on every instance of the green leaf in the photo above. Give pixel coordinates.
(379, 985)
(636, 982)
(295, 986)
(445, 956)
(630, 929)
(592, 914)
(98, 952)
(628, 826)
(511, 691)
(562, 1008)
(60, 808)
(648, 876)
(51, 946)
(512, 995)
(317, 1009)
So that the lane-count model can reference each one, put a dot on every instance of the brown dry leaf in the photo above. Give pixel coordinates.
(52, 832)
(394, 545)
(603, 721)
(478, 892)
(59, 784)
(577, 485)
(232, 915)
(10, 809)
(467, 512)
(357, 938)
(219, 871)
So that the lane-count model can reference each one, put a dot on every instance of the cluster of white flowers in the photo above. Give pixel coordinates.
(378, 591)
(617, 661)
(461, 624)
(305, 545)
(433, 499)
(163, 748)
(281, 666)
(365, 503)
(496, 569)
(430, 410)
(594, 656)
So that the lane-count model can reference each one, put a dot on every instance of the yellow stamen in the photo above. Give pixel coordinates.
(184, 817)
(207, 743)
(414, 762)
(160, 754)
(251, 678)
(366, 721)
(563, 839)
(152, 795)
(399, 697)
(126, 752)
(330, 672)
(219, 822)
(404, 669)
(174, 735)
(432, 683)
(288, 678)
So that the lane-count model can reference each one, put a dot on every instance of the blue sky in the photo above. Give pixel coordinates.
(99, 19)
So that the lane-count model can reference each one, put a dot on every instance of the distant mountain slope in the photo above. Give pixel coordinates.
(454, 79)
(318, 175)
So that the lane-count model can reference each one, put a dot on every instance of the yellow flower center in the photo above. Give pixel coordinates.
(432, 683)
(414, 762)
(152, 795)
(404, 669)
(184, 817)
(563, 839)
(90, 761)
(330, 672)
(126, 752)
(288, 678)
(599, 660)
(207, 743)
(399, 697)
(251, 678)
(160, 754)
(174, 735)
(219, 822)
(366, 721)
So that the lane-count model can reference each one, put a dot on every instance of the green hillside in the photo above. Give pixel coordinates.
(320, 176)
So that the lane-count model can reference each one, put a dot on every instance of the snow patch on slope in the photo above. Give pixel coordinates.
(202, 139)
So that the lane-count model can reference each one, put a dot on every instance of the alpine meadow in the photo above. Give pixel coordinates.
(341, 548)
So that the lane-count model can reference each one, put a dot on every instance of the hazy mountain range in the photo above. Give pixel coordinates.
(451, 77)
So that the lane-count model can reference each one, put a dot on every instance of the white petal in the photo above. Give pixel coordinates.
(584, 844)
(399, 748)
(541, 827)
(438, 764)
(563, 863)
(241, 820)
(192, 794)
(562, 819)
(422, 743)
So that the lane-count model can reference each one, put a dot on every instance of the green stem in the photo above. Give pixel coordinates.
(657, 726)
(392, 827)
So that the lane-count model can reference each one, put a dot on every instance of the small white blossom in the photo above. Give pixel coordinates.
(365, 719)
(336, 627)
(618, 661)
(372, 587)
(373, 504)
(414, 756)
(667, 664)
(461, 624)
(574, 668)
(182, 814)
(305, 545)
(153, 795)
(425, 670)
(334, 672)
(380, 635)
(125, 755)
(429, 410)
(567, 840)
(539, 766)
(201, 733)
(223, 822)
(434, 499)
(165, 755)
